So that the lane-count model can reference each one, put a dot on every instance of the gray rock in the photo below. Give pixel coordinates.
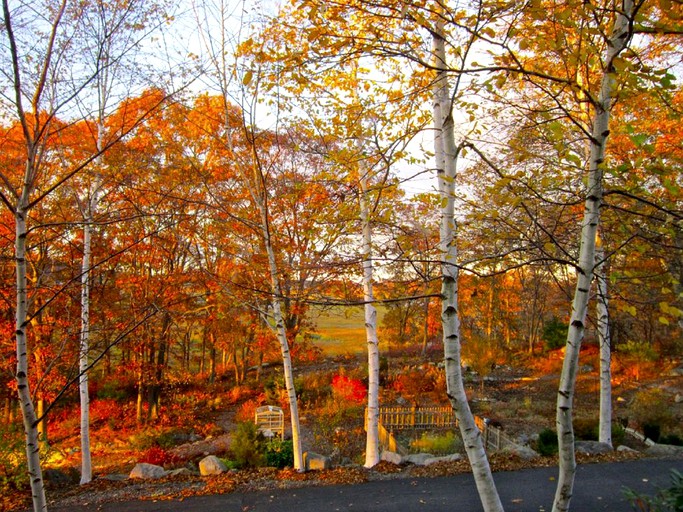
(677, 372)
(678, 398)
(392, 457)
(418, 458)
(592, 447)
(626, 449)
(56, 478)
(315, 462)
(147, 471)
(522, 451)
(211, 465)
(664, 450)
(446, 458)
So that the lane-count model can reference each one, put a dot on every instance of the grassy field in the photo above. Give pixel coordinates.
(341, 330)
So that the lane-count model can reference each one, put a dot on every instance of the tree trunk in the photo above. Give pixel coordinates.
(372, 434)
(260, 196)
(86, 462)
(446, 155)
(605, 425)
(28, 412)
(591, 219)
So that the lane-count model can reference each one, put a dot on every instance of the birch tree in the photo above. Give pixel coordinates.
(446, 155)
(618, 41)
(111, 33)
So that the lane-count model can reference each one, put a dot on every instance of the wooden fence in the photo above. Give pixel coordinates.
(431, 418)
(416, 418)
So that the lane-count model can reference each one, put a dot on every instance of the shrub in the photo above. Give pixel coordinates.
(159, 456)
(555, 333)
(547, 442)
(279, 454)
(248, 445)
(672, 439)
(589, 430)
(13, 469)
(436, 444)
(650, 409)
(348, 389)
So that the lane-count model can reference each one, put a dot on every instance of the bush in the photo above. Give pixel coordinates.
(248, 446)
(436, 444)
(547, 442)
(159, 456)
(651, 410)
(349, 389)
(589, 430)
(13, 469)
(672, 439)
(555, 333)
(279, 454)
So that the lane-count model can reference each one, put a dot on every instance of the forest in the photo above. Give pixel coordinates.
(199, 196)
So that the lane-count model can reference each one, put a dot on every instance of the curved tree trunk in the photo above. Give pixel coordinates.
(589, 228)
(446, 156)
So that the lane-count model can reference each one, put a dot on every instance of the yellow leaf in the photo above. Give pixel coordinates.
(247, 78)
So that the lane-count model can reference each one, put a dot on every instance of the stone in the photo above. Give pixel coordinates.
(678, 398)
(446, 458)
(392, 457)
(315, 462)
(625, 449)
(677, 372)
(211, 465)
(418, 458)
(56, 478)
(592, 447)
(522, 451)
(664, 450)
(147, 471)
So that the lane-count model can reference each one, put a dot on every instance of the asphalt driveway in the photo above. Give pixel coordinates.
(598, 488)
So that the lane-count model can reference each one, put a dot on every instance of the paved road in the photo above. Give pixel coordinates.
(598, 488)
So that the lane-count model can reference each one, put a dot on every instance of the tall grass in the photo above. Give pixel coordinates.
(341, 329)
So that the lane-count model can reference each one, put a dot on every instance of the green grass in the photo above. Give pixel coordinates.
(341, 330)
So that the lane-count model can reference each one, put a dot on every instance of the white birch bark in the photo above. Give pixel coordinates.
(565, 397)
(28, 411)
(372, 435)
(84, 349)
(446, 156)
(260, 195)
(86, 460)
(602, 307)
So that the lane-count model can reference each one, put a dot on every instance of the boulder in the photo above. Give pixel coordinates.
(314, 461)
(625, 449)
(522, 451)
(147, 471)
(211, 465)
(418, 458)
(56, 478)
(446, 458)
(664, 450)
(592, 447)
(392, 457)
